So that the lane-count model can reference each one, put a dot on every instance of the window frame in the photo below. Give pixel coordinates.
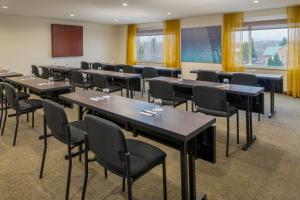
(263, 25)
(149, 32)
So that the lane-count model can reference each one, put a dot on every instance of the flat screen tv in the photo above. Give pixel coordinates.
(67, 40)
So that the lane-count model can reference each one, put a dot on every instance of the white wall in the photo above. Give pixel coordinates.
(25, 41)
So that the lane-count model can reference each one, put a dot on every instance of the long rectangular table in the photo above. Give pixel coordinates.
(39, 85)
(185, 131)
(248, 91)
(7, 73)
(125, 76)
(163, 71)
(269, 77)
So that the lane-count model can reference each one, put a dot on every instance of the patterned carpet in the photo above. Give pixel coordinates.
(270, 169)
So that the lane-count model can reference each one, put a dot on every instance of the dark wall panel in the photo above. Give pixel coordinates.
(67, 40)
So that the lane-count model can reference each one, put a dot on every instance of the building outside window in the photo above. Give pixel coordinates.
(265, 43)
(149, 46)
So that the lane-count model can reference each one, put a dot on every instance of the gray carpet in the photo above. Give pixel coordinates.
(270, 169)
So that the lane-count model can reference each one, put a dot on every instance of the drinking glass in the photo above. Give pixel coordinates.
(99, 68)
(121, 71)
(106, 91)
(180, 77)
(226, 82)
(158, 105)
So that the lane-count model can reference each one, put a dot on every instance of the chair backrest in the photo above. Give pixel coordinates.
(205, 75)
(128, 69)
(99, 81)
(11, 96)
(97, 65)
(1, 92)
(161, 90)
(56, 119)
(45, 73)
(35, 70)
(210, 98)
(84, 65)
(118, 67)
(107, 142)
(244, 79)
(149, 72)
(76, 77)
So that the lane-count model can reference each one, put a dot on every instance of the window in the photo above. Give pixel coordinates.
(149, 46)
(265, 43)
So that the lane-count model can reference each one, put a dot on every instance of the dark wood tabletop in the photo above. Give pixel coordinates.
(232, 88)
(7, 73)
(260, 76)
(158, 67)
(111, 74)
(39, 84)
(58, 67)
(178, 124)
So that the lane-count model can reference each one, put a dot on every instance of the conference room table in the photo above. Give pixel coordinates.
(128, 77)
(61, 68)
(39, 85)
(269, 77)
(163, 71)
(4, 73)
(248, 91)
(191, 138)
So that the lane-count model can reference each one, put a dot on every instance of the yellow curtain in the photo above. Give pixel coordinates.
(293, 14)
(171, 47)
(232, 42)
(131, 32)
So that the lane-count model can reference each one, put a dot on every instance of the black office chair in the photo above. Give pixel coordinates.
(97, 66)
(20, 96)
(128, 69)
(77, 79)
(118, 67)
(210, 76)
(71, 134)
(99, 81)
(84, 65)
(163, 90)
(213, 101)
(245, 79)
(20, 106)
(45, 73)
(35, 71)
(130, 159)
(148, 72)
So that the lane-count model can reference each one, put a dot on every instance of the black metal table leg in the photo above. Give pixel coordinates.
(128, 88)
(80, 113)
(184, 172)
(250, 137)
(272, 94)
(131, 89)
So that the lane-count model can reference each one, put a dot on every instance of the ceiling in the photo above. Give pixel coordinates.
(137, 11)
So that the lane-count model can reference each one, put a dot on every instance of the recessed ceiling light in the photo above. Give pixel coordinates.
(4, 7)
(116, 20)
(256, 1)
(72, 15)
(169, 13)
(125, 4)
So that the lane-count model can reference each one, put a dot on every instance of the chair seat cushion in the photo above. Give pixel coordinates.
(112, 88)
(22, 95)
(78, 130)
(84, 85)
(178, 101)
(143, 157)
(29, 104)
(217, 113)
